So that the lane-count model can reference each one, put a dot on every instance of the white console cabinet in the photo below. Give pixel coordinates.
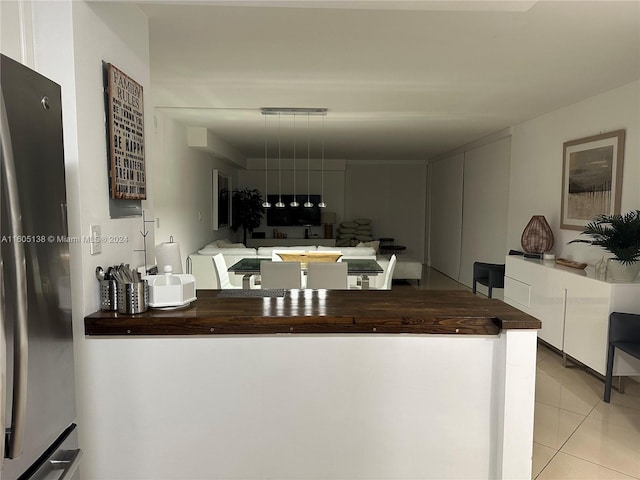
(574, 308)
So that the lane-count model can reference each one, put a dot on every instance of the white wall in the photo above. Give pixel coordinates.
(16, 31)
(469, 207)
(393, 196)
(445, 230)
(182, 180)
(536, 163)
(485, 208)
(533, 186)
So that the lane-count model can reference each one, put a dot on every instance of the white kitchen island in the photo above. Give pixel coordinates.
(381, 398)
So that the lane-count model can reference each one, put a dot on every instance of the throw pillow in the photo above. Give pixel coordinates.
(346, 235)
(222, 244)
(349, 224)
(364, 238)
(375, 244)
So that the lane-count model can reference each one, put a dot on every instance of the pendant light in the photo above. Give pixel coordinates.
(279, 204)
(308, 203)
(294, 111)
(266, 203)
(322, 204)
(295, 202)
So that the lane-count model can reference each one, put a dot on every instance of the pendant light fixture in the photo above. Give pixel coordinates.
(294, 203)
(308, 203)
(322, 204)
(293, 111)
(266, 203)
(279, 204)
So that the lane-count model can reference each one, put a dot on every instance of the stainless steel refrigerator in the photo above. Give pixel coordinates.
(37, 391)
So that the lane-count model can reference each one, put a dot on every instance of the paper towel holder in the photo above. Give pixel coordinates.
(169, 256)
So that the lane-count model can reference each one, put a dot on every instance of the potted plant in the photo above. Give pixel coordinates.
(246, 207)
(619, 235)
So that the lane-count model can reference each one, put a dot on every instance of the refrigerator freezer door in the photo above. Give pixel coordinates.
(33, 109)
(61, 461)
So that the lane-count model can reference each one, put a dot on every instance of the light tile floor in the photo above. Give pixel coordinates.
(576, 435)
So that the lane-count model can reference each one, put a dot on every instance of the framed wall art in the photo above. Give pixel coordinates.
(221, 200)
(125, 118)
(591, 178)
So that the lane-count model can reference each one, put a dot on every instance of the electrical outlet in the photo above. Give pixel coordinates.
(95, 244)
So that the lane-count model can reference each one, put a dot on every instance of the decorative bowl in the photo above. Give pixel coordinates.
(307, 257)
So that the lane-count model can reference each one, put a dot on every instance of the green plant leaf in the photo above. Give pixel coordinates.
(246, 210)
(618, 234)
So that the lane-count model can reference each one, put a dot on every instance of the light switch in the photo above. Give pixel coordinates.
(95, 244)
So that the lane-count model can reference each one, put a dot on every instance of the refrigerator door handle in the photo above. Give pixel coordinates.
(15, 438)
(70, 466)
(3, 364)
(65, 225)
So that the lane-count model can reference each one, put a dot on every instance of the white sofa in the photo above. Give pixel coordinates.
(200, 263)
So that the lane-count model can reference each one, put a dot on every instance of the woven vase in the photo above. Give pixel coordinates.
(537, 236)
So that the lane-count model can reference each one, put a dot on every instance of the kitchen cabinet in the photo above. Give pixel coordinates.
(530, 288)
(574, 308)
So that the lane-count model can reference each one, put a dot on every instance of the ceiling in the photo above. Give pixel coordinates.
(402, 80)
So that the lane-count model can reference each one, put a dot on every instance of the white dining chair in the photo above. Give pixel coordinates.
(381, 282)
(222, 275)
(329, 275)
(388, 274)
(280, 274)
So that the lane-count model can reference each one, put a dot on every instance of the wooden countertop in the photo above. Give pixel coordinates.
(322, 311)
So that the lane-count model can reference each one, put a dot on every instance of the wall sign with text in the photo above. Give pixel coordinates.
(126, 136)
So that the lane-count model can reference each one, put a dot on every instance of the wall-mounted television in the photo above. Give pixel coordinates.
(293, 216)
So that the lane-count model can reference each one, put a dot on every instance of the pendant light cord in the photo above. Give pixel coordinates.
(266, 163)
(294, 203)
(322, 204)
(279, 162)
(308, 163)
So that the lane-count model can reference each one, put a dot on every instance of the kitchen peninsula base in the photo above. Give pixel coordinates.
(364, 399)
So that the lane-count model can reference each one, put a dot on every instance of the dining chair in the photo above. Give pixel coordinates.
(388, 274)
(383, 281)
(624, 334)
(222, 275)
(280, 274)
(491, 275)
(328, 275)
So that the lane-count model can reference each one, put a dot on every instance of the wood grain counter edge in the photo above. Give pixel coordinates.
(322, 312)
